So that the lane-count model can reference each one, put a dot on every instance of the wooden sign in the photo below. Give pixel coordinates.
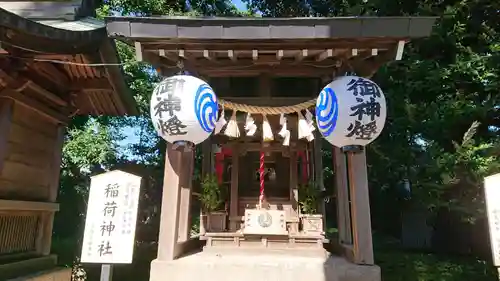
(492, 198)
(111, 218)
(262, 222)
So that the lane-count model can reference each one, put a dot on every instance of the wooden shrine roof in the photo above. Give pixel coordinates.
(250, 46)
(46, 64)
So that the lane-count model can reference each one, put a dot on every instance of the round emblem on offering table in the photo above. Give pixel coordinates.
(184, 109)
(265, 219)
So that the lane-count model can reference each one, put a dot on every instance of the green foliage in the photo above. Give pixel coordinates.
(398, 264)
(308, 198)
(173, 8)
(211, 196)
(406, 266)
(90, 146)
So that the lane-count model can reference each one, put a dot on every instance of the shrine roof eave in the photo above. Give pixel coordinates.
(28, 36)
(195, 28)
(46, 38)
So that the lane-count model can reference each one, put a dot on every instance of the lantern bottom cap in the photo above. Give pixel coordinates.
(352, 148)
(183, 145)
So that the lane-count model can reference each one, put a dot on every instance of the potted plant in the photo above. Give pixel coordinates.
(309, 199)
(212, 201)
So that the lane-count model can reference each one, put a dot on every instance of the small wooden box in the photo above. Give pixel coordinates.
(265, 222)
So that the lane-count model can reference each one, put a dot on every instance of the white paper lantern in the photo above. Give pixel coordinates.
(351, 110)
(183, 109)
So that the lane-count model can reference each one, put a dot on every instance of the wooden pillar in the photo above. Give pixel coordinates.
(206, 161)
(318, 172)
(294, 191)
(44, 238)
(343, 209)
(360, 208)
(233, 207)
(186, 182)
(206, 168)
(169, 218)
(6, 108)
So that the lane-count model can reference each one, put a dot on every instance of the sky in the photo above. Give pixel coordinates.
(129, 133)
(240, 5)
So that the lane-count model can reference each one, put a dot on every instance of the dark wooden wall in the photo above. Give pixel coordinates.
(30, 150)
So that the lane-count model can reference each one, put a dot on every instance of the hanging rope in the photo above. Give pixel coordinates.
(267, 110)
(261, 178)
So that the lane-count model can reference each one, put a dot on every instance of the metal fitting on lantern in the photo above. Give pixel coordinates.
(352, 148)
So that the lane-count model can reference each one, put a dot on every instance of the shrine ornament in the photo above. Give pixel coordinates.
(183, 109)
(351, 111)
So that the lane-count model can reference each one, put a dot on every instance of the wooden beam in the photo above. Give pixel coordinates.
(255, 55)
(138, 50)
(366, 67)
(267, 101)
(324, 55)
(13, 205)
(279, 54)
(400, 50)
(325, 63)
(281, 70)
(51, 73)
(243, 45)
(92, 84)
(6, 108)
(257, 146)
(207, 55)
(231, 55)
(21, 82)
(301, 55)
(35, 105)
(181, 54)
(46, 94)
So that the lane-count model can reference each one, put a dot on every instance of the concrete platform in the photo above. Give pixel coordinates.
(263, 267)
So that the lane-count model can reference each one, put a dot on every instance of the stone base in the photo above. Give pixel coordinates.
(263, 267)
(59, 274)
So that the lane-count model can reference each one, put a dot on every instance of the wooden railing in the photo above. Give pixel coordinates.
(25, 236)
(23, 226)
(18, 232)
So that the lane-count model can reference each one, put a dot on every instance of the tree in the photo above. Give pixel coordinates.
(443, 85)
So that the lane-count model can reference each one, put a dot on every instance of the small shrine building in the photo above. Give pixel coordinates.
(263, 71)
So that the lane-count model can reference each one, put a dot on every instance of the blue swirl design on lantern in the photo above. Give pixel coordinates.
(327, 111)
(205, 107)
